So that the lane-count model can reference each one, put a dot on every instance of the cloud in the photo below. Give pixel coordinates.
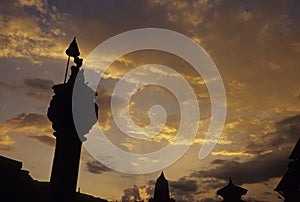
(104, 100)
(36, 126)
(267, 150)
(96, 168)
(257, 170)
(248, 40)
(38, 88)
(30, 29)
(35, 88)
(38, 83)
(6, 140)
(131, 194)
(250, 199)
(287, 132)
(184, 185)
(184, 189)
(281, 135)
(208, 200)
(49, 141)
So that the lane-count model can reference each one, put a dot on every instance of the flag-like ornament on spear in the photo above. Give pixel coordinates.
(72, 51)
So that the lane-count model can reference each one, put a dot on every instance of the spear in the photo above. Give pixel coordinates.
(72, 51)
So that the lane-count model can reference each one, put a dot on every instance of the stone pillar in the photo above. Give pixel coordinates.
(68, 142)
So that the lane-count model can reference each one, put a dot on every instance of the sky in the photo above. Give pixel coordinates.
(254, 44)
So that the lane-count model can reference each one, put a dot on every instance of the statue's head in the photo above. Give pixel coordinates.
(78, 61)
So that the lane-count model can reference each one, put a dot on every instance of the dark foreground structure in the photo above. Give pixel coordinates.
(69, 138)
(17, 185)
(289, 186)
(161, 191)
(232, 193)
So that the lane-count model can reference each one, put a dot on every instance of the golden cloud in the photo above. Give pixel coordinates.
(31, 36)
(35, 125)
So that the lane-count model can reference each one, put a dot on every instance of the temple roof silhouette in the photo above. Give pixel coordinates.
(231, 192)
(289, 185)
(162, 176)
(296, 151)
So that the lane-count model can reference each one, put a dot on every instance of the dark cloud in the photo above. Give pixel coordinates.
(250, 199)
(270, 158)
(6, 148)
(184, 185)
(2, 85)
(184, 189)
(9, 86)
(39, 84)
(257, 170)
(208, 200)
(38, 88)
(285, 134)
(218, 161)
(49, 141)
(211, 183)
(287, 131)
(108, 18)
(96, 168)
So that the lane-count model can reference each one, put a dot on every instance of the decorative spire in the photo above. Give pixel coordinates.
(161, 190)
(230, 181)
(162, 176)
(73, 50)
(232, 192)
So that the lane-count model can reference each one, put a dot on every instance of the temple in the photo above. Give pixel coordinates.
(161, 191)
(231, 192)
(289, 186)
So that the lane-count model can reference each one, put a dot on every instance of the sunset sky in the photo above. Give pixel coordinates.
(254, 44)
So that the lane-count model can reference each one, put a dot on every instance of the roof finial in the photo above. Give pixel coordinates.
(230, 181)
(162, 175)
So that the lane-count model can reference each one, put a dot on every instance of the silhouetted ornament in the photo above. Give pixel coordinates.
(231, 192)
(73, 50)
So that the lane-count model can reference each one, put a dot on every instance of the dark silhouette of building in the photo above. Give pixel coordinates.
(17, 185)
(161, 191)
(289, 186)
(231, 192)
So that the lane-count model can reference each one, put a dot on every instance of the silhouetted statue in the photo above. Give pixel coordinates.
(289, 186)
(161, 191)
(68, 140)
(232, 193)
